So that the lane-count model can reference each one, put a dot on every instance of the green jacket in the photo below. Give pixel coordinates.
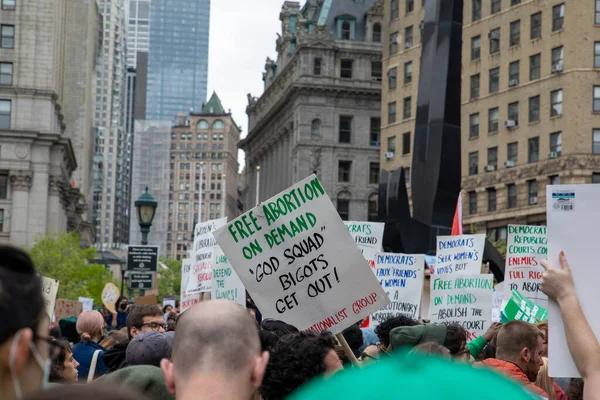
(476, 346)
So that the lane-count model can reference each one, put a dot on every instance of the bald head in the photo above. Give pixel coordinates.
(216, 335)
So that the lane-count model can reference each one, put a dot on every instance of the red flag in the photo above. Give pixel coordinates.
(457, 226)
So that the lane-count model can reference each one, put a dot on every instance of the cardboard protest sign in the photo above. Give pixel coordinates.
(401, 276)
(368, 237)
(201, 273)
(148, 299)
(186, 300)
(520, 308)
(465, 299)
(573, 220)
(526, 246)
(87, 304)
(459, 254)
(49, 292)
(299, 263)
(67, 308)
(226, 284)
(110, 295)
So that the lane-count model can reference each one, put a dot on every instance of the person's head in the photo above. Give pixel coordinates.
(456, 341)
(64, 366)
(522, 344)
(268, 340)
(114, 337)
(24, 342)
(383, 330)
(171, 321)
(90, 326)
(216, 343)
(575, 389)
(93, 391)
(370, 354)
(167, 309)
(543, 327)
(433, 349)
(279, 328)
(489, 351)
(354, 337)
(544, 381)
(453, 337)
(296, 359)
(144, 318)
(148, 349)
(121, 304)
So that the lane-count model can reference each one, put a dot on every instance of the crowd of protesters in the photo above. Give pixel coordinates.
(219, 350)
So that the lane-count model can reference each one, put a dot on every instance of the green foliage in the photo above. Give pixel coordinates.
(59, 256)
(169, 280)
(500, 246)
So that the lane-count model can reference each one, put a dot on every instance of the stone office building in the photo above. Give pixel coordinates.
(320, 110)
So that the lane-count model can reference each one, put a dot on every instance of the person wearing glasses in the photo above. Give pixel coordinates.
(88, 352)
(26, 349)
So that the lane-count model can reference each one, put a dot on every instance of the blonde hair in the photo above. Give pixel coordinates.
(544, 382)
(89, 325)
(112, 338)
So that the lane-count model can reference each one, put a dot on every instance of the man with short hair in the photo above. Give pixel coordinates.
(519, 349)
(216, 353)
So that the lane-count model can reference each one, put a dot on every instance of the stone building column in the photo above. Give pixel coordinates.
(280, 162)
(287, 165)
(20, 184)
(54, 206)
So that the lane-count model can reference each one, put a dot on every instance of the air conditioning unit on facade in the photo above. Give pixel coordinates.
(490, 168)
(509, 164)
(556, 68)
(533, 200)
(510, 123)
(407, 45)
(513, 82)
(389, 155)
(553, 154)
(421, 25)
(494, 35)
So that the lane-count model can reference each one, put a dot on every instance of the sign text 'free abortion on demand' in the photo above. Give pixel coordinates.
(299, 263)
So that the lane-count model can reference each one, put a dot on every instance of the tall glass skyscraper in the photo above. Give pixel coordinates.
(177, 58)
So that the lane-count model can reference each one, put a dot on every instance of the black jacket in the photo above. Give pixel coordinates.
(116, 357)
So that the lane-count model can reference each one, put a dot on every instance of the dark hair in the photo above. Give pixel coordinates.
(431, 348)
(575, 389)
(137, 313)
(514, 336)
(165, 308)
(279, 328)
(58, 363)
(19, 285)
(354, 337)
(296, 359)
(489, 351)
(93, 391)
(268, 340)
(456, 339)
(383, 330)
(119, 300)
(171, 322)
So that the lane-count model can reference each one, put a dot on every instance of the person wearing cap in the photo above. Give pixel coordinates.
(149, 349)
(148, 380)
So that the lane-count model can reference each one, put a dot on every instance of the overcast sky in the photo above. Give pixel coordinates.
(242, 35)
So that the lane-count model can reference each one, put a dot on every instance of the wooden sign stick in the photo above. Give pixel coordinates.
(348, 350)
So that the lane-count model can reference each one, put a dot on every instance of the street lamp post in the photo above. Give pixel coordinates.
(257, 185)
(146, 208)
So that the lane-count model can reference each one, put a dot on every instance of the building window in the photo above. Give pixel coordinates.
(345, 31)
(557, 58)
(345, 133)
(475, 48)
(474, 86)
(317, 66)
(514, 2)
(8, 36)
(410, 6)
(512, 151)
(533, 149)
(408, 72)
(511, 195)
(5, 111)
(217, 125)
(596, 54)
(513, 112)
(474, 163)
(406, 175)
(596, 98)
(597, 13)
(472, 202)
(391, 144)
(406, 143)
(474, 125)
(534, 66)
(515, 33)
(375, 129)
(533, 192)
(392, 78)
(554, 180)
(391, 112)
(496, 6)
(377, 33)
(596, 141)
(476, 10)
(346, 68)
(407, 103)
(494, 80)
(534, 109)
(595, 177)
(494, 40)
(6, 73)
(315, 127)
(556, 101)
(491, 193)
(408, 37)
(9, 4)
(492, 154)
(394, 43)
(394, 8)
(373, 173)
(3, 186)
(513, 73)
(556, 143)
(343, 207)
(536, 25)
(344, 171)
(376, 68)
(558, 17)
(493, 120)
(373, 214)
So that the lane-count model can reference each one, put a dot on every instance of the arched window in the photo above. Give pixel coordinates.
(343, 205)
(377, 33)
(202, 124)
(315, 127)
(345, 30)
(218, 125)
(373, 210)
(317, 66)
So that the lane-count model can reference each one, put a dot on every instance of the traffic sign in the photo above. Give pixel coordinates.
(141, 280)
(142, 258)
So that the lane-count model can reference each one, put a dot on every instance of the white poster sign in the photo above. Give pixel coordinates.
(299, 263)
(497, 302)
(461, 254)
(401, 276)
(204, 242)
(368, 237)
(49, 291)
(187, 300)
(87, 304)
(464, 299)
(573, 220)
(226, 284)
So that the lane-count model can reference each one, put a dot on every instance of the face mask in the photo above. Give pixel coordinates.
(46, 366)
